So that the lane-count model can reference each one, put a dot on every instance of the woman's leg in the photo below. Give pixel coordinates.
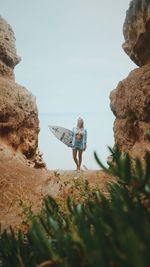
(80, 158)
(74, 152)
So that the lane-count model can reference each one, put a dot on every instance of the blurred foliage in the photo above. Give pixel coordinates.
(98, 232)
(148, 135)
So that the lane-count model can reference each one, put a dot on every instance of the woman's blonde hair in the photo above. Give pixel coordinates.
(80, 123)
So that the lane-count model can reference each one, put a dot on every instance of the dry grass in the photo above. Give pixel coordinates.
(23, 184)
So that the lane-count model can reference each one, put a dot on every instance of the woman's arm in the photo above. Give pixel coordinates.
(73, 137)
(85, 139)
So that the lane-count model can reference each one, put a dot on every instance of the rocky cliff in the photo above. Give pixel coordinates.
(19, 124)
(136, 32)
(130, 101)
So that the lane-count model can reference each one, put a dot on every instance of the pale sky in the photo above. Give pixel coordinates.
(71, 51)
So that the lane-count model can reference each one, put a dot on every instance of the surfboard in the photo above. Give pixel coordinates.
(62, 134)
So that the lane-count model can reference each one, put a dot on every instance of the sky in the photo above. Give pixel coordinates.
(71, 60)
(71, 51)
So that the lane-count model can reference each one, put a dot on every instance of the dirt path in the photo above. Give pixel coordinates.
(22, 186)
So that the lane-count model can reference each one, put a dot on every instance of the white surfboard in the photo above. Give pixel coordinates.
(62, 134)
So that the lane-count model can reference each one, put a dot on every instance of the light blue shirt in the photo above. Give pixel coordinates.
(84, 139)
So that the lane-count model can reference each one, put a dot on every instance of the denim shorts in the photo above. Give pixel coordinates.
(77, 146)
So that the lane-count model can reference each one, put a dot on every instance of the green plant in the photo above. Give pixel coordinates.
(137, 177)
(148, 134)
(26, 213)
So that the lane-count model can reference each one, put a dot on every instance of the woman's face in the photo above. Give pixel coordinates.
(80, 123)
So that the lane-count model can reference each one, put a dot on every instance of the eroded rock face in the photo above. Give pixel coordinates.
(131, 98)
(130, 103)
(19, 124)
(136, 32)
(8, 53)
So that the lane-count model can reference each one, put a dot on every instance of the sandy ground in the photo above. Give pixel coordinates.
(22, 186)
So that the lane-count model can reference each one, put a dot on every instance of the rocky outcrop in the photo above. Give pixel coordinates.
(130, 101)
(131, 98)
(136, 32)
(8, 56)
(19, 124)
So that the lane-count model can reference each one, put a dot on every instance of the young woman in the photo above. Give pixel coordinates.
(79, 142)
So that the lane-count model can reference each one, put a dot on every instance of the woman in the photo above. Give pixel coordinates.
(79, 140)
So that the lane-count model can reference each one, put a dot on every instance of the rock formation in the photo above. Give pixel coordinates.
(130, 101)
(136, 32)
(19, 124)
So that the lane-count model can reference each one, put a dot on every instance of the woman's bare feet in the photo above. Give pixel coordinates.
(78, 168)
